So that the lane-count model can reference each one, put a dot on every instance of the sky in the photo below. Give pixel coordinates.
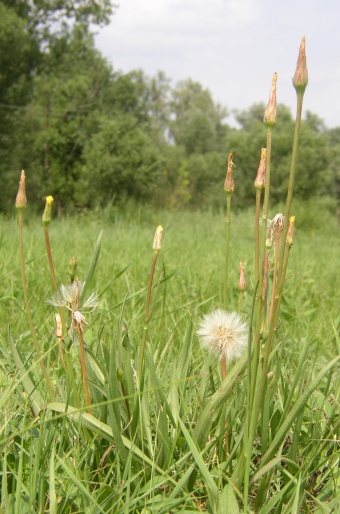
(232, 47)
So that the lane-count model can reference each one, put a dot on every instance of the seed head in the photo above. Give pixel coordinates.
(224, 334)
(69, 297)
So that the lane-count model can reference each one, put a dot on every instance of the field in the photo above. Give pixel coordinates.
(162, 432)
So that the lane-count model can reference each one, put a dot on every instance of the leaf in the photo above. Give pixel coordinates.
(93, 264)
(299, 404)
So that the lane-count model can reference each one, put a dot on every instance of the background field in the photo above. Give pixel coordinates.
(188, 283)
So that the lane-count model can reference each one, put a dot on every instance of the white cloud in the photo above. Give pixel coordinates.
(232, 46)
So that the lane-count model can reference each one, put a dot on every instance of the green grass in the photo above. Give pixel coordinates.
(158, 447)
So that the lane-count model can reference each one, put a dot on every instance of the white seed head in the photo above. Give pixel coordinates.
(223, 334)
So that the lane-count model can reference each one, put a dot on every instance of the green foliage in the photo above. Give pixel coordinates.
(69, 119)
(120, 161)
(197, 123)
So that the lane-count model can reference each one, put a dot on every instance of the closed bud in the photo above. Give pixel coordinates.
(260, 181)
(242, 284)
(300, 79)
(229, 181)
(46, 217)
(73, 268)
(270, 112)
(157, 241)
(21, 200)
(120, 375)
(290, 233)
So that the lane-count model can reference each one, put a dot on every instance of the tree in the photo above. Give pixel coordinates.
(42, 87)
(120, 161)
(196, 121)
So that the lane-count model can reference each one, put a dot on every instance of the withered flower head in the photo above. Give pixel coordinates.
(229, 181)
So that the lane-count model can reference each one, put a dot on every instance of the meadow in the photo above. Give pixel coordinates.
(163, 362)
(140, 449)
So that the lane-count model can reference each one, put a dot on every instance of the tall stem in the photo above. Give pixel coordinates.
(147, 310)
(28, 310)
(83, 367)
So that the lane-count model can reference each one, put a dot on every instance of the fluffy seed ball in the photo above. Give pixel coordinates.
(223, 334)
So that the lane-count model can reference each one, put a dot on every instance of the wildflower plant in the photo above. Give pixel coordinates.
(146, 423)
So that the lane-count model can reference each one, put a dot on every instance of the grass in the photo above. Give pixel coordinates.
(147, 451)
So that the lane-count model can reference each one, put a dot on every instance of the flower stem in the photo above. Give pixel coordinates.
(55, 284)
(147, 310)
(227, 240)
(83, 367)
(282, 268)
(28, 310)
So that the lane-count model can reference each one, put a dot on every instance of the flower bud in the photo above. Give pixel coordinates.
(270, 112)
(290, 233)
(229, 181)
(157, 241)
(72, 268)
(242, 284)
(59, 331)
(21, 200)
(300, 79)
(260, 180)
(46, 217)
(120, 375)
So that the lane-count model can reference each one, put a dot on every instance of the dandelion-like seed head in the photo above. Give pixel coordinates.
(224, 334)
(70, 296)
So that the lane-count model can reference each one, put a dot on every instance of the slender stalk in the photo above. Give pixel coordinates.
(146, 319)
(50, 259)
(156, 248)
(274, 285)
(83, 367)
(55, 286)
(282, 270)
(227, 240)
(28, 310)
(257, 234)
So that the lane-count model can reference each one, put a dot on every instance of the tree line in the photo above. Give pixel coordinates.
(88, 134)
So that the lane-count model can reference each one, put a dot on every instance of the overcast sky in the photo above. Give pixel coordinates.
(232, 47)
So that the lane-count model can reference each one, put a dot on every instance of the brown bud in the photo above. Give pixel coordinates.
(300, 79)
(260, 181)
(270, 112)
(21, 200)
(72, 268)
(229, 181)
